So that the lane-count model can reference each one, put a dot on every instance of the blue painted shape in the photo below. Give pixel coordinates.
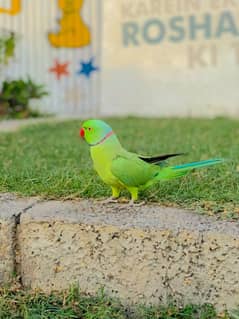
(227, 24)
(87, 68)
(199, 164)
(205, 26)
(130, 34)
(161, 31)
(176, 25)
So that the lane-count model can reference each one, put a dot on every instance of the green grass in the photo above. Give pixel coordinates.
(19, 304)
(50, 160)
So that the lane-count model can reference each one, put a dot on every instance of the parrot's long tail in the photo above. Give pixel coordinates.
(181, 170)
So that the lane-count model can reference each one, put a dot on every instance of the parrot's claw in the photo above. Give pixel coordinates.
(110, 200)
(134, 203)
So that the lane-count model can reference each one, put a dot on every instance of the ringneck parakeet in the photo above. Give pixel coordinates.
(122, 169)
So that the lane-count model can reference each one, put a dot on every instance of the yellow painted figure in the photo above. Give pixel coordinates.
(73, 32)
(14, 9)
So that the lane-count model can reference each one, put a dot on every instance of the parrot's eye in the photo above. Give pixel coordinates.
(89, 129)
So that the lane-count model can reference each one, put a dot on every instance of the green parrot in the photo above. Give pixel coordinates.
(121, 169)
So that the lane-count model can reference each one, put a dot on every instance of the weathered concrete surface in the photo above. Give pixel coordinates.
(9, 209)
(142, 254)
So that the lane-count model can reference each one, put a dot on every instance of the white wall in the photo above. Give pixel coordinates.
(147, 68)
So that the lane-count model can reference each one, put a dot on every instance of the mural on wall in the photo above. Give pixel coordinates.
(64, 56)
(201, 26)
(15, 7)
(60, 69)
(87, 68)
(180, 56)
(9, 38)
(73, 32)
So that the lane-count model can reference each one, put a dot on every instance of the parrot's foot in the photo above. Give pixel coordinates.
(134, 203)
(110, 200)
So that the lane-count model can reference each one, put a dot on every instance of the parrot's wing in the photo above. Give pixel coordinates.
(132, 171)
(160, 158)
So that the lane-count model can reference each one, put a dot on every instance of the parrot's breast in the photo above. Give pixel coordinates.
(102, 157)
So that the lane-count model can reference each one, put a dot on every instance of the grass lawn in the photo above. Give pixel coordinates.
(18, 304)
(50, 160)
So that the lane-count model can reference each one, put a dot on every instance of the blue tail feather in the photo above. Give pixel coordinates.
(198, 164)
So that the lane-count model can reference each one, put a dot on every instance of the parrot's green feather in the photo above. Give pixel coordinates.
(181, 170)
(199, 164)
(132, 171)
(122, 169)
(142, 175)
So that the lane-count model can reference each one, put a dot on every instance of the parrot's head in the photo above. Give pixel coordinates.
(95, 132)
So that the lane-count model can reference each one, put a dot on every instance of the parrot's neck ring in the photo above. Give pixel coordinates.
(103, 139)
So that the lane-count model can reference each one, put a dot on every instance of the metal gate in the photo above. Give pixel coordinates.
(57, 44)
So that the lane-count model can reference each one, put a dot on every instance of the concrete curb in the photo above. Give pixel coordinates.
(141, 254)
(10, 210)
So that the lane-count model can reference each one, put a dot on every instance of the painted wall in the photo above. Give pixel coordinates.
(58, 45)
(171, 57)
(118, 57)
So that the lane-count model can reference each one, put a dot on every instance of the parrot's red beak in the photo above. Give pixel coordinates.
(82, 133)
